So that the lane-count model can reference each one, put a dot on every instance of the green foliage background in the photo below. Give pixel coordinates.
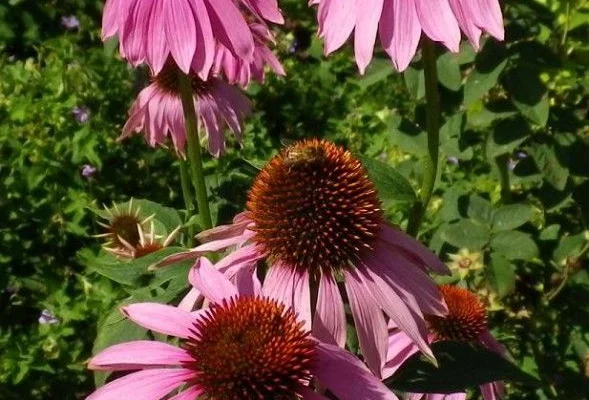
(528, 95)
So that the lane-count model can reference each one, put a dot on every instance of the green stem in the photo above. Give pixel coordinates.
(188, 199)
(502, 163)
(430, 166)
(194, 151)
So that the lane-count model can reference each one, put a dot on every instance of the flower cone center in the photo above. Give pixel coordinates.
(314, 207)
(251, 348)
(167, 80)
(125, 227)
(466, 318)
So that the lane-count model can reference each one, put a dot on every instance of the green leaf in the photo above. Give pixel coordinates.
(550, 166)
(391, 185)
(115, 329)
(480, 209)
(132, 273)
(449, 71)
(569, 246)
(479, 82)
(468, 234)
(461, 366)
(169, 217)
(507, 136)
(378, 70)
(551, 232)
(514, 245)
(511, 216)
(501, 275)
(415, 81)
(528, 94)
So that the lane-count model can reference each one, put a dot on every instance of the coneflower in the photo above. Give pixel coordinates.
(315, 218)
(245, 346)
(466, 321)
(121, 225)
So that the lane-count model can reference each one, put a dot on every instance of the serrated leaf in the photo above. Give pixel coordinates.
(449, 71)
(461, 366)
(506, 136)
(514, 245)
(480, 209)
(511, 216)
(391, 185)
(468, 234)
(569, 246)
(528, 94)
(479, 82)
(550, 166)
(415, 81)
(378, 70)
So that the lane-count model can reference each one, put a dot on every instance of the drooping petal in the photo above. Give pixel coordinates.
(291, 287)
(190, 299)
(467, 24)
(157, 48)
(345, 376)
(399, 31)
(110, 16)
(180, 32)
(487, 15)
(247, 283)
(204, 55)
(438, 22)
(133, 38)
(214, 286)
(368, 320)
(404, 312)
(329, 322)
(149, 384)
(161, 318)
(336, 20)
(138, 355)
(267, 9)
(231, 28)
(400, 348)
(368, 13)
(412, 246)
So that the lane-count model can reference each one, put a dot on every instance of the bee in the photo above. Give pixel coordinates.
(298, 156)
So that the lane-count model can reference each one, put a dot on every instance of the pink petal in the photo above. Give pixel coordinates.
(368, 14)
(238, 259)
(157, 49)
(290, 287)
(221, 232)
(467, 24)
(412, 246)
(214, 286)
(438, 22)
(399, 31)
(149, 384)
(180, 32)
(133, 39)
(230, 28)
(205, 40)
(487, 15)
(336, 20)
(345, 376)
(369, 321)
(110, 17)
(247, 283)
(329, 322)
(455, 396)
(405, 314)
(138, 355)
(267, 9)
(487, 339)
(161, 318)
(400, 348)
(407, 278)
(189, 301)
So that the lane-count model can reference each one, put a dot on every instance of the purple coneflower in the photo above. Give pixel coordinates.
(314, 216)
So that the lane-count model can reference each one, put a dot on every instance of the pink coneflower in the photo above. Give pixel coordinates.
(158, 110)
(399, 24)
(314, 217)
(244, 346)
(152, 30)
(466, 321)
(240, 71)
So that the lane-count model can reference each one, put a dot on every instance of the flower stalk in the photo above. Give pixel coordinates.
(430, 167)
(194, 151)
(188, 198)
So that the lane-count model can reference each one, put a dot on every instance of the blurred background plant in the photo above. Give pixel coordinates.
(510, 213)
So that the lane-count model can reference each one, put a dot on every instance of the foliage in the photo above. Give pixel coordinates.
(513, 185)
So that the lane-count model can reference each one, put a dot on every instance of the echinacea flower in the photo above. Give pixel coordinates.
(467, 322)
(245, 346)
(158, 112)
(149, 242)
(150, 31)
(121, 222)
(314, 216)
(240, 71)
(399, 24)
